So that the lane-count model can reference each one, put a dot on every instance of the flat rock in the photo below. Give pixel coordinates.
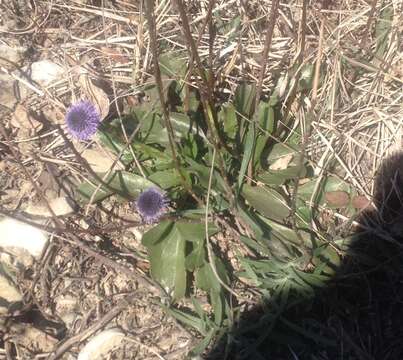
(43, 72)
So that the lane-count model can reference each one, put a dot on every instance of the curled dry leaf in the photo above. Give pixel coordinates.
(22, 119)
(9, 292)
(360, 202)
(10, 55)
(29, 337)
(61, 206)
(282, 163)
(337, 198)
(95, 94)
(100, 160)
(115, 54)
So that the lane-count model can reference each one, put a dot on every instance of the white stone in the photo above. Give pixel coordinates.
(61, 206)
(101, 344)
(7, 95)
(45, 72)
(8, 289)
(16, 234)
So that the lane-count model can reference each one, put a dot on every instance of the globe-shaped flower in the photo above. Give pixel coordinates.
(151, 204)
(82, 120)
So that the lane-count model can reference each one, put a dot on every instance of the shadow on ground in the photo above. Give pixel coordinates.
(358, 315)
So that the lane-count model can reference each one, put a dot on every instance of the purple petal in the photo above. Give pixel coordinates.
(151, 204)
(82, 120)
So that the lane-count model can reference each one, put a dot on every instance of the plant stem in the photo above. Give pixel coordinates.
(206, 95)
(149, 9)
(265, 55)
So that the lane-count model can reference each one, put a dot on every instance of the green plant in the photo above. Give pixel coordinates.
(281, 243)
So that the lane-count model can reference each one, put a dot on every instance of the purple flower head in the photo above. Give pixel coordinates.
(151, 204)
(82, 120)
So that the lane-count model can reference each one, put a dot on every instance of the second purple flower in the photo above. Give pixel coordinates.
(151, 204)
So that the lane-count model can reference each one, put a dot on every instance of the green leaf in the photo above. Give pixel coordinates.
(157, 233)
(189, 97)
(285, 233)
(166, 178)
(113, 141)
(202, 345)
(288, 163)
(279, 177)
(167, 247)
(192, 231)
(260, 145)
(216, 299)
(329, 184)
(382, 31)
(195, 233)
(150, 152)
(173, 65)
(244, 99)
(248, 149)
(258, 229)
(124, 183)
(306, 80)
(286, 243)
(267, 201)
(167, 260)
(249, 273)
(203, 174)
(264, 116)
(326, 259)
(151, 128)
(86, 190)
(188, 319)
(198, 308)
(196, 257)
(183, 126)
(255, 245)
(206, 279)
(227, 116)
(281, 150)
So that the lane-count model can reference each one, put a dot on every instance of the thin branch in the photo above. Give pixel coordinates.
(149, 9)
(76, 339)
(210, 252)
(266, 49)
(309, 118)
(206, 95)
(265, 55)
